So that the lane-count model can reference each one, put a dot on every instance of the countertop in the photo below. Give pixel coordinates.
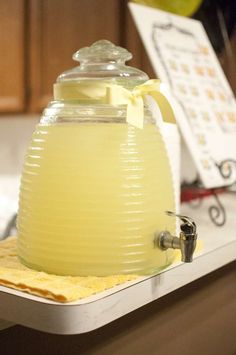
(219, 249)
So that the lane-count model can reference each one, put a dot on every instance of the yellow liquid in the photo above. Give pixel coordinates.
(92, 198)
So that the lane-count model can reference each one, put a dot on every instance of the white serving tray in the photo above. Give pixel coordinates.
(95, 311)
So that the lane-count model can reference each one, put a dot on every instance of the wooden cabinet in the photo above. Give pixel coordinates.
(12, 57)
(38, 38)
(59, 28)
(133, 43)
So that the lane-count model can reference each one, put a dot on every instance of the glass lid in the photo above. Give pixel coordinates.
(104, 61)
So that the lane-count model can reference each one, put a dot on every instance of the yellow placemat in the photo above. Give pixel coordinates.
(58, 288)
(15, 275)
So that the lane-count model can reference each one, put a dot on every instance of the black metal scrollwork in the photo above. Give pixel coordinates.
(217, 212)
(225, 167)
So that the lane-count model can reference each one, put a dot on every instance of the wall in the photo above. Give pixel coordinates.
(15, 133)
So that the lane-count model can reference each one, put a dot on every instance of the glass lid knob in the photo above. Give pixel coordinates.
(102, 51)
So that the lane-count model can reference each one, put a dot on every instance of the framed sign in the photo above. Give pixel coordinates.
(204, 105)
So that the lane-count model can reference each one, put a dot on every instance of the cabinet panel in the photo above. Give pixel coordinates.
(227, 59)
(133, 43)
(57, 29)
(12, 65)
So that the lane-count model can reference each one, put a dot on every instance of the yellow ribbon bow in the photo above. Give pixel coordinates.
(113, 94)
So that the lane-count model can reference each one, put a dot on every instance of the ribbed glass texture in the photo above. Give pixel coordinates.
(92, 198)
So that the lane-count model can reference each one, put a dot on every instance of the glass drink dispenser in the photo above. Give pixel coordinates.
(96, 180)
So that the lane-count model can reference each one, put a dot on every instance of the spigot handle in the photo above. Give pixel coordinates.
(186, 241)
(188, 226)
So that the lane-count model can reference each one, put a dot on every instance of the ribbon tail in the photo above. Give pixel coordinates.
(164, 106)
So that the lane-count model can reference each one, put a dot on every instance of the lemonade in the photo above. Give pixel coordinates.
(92, 198)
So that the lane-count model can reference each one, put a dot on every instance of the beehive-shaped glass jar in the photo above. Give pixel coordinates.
(94, 188)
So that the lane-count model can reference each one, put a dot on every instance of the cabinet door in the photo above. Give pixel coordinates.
(133, 43)
(227, 60)
(12, 65)
(58, 28)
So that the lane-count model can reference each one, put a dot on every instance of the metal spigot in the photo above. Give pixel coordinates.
(186, 241)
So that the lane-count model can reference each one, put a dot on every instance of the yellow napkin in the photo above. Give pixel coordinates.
(58, 288)
(15, 275)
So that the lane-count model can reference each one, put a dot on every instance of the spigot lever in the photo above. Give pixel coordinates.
(186, 241)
